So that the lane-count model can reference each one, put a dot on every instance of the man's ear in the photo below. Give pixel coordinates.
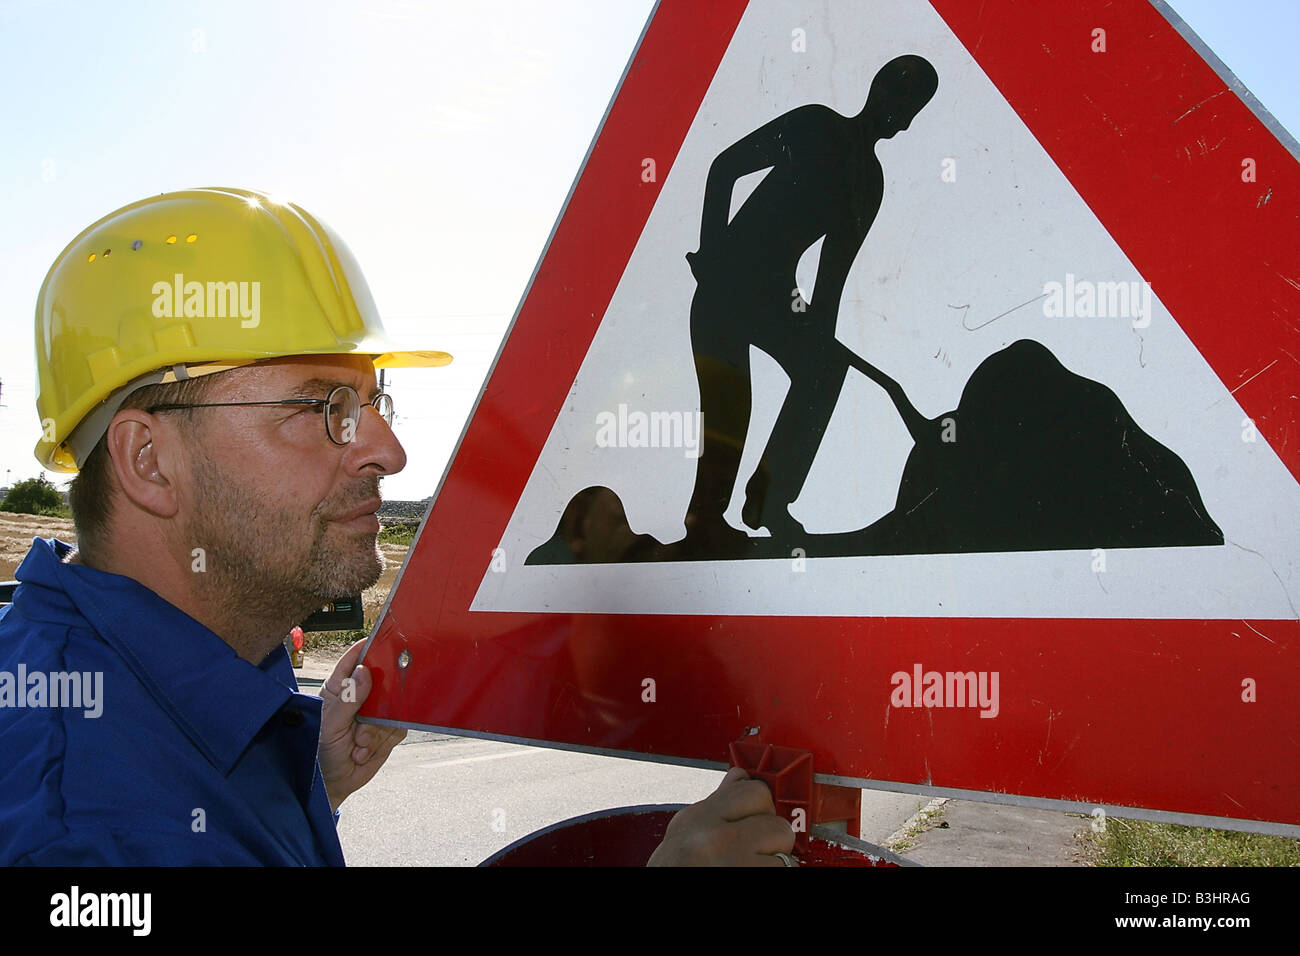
(146, 461)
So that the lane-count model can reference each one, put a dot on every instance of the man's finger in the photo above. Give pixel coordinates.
(767, 834)
(379, 747)
(734, 773)
(338, 713)
(344, 668)
(374, 737)
(740, 798)
(343, 694)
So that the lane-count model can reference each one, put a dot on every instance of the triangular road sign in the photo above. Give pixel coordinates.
(909, 382)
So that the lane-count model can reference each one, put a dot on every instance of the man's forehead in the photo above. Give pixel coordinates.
(305, 373)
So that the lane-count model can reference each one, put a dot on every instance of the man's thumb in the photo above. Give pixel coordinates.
(735, 773)
(349, 696)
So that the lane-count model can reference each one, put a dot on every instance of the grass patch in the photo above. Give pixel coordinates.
(923, 819)
(1142, 843)
(397, 533)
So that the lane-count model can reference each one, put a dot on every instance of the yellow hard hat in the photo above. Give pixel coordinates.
(185, 284)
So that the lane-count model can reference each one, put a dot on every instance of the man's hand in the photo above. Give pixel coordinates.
(350, 753)
(736, 825)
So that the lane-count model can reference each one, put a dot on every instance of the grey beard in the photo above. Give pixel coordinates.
(256, 582)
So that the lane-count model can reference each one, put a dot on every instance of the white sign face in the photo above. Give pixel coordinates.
(980, 242)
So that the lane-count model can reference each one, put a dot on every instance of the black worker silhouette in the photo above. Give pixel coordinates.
(825, 183)
(1033, 458)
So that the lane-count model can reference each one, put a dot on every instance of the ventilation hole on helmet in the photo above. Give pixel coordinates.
(136, 245)
(91, 257)
(171, 240)
(106, 252)
(191, 237)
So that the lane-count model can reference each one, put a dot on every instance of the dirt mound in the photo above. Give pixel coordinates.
(17, 531)
(373, 598)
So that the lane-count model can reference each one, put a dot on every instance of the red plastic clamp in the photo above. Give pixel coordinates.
(788, 772)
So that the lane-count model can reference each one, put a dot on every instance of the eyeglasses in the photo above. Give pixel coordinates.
(342, 406)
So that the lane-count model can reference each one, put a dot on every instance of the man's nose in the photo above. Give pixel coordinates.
(375, 446)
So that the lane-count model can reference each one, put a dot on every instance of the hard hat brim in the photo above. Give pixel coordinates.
(62, 457)
(407, 359)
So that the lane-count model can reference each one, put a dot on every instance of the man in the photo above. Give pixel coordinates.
(206, 364)
(824, 183)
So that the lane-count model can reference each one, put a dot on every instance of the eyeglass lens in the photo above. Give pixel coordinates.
(345, 411)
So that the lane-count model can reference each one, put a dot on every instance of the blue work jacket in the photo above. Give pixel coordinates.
(195, 757)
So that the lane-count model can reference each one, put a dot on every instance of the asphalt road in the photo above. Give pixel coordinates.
(454, 801)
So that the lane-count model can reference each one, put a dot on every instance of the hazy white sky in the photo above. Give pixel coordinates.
(439, 139)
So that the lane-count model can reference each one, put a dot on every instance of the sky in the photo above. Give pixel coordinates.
(439, 139)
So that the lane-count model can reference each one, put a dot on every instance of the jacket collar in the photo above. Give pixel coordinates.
(218, 699)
